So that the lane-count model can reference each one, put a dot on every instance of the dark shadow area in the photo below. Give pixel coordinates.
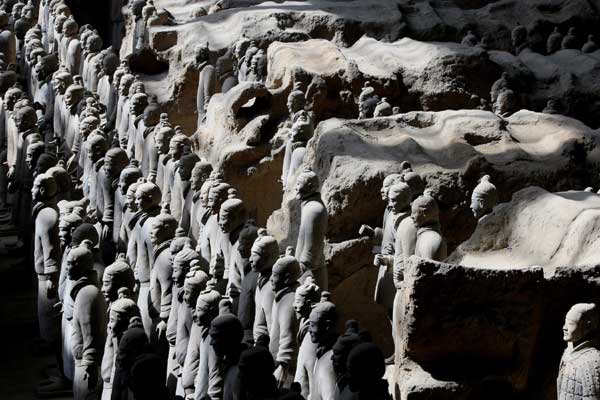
(93, 12)
(145, 62)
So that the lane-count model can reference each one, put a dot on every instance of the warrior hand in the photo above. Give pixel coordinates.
(91, 376)
(366, 230)
(11, 173)
(161, 330)
(281, 375)
(378, 260)
(106, 233)
(51, 289)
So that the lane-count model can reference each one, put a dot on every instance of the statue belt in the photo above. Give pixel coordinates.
(45, 277)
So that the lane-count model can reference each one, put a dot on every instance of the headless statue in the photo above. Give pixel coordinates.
(322, 329)
(265, 252)
(313, 226)
(578, 376)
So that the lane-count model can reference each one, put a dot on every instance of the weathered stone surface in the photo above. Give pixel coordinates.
(450, 20)
(504, 238)
(451, 150)
(481, 323)
(343, 22)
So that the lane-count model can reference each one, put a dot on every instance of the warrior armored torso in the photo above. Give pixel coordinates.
(579, 373)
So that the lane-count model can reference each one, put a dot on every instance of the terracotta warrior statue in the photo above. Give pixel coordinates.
(140, 251)
(195, 282)
(246, 303)
(162, 140)
(430, 244)
(129, 339)
(182, 189)
(322, 329)
(61, 80)
(388, 279)
(72, 98)
(301, 132)
(579, 371)
(570, 41)
(366, 367)
(161, 282)
(313, 226)
(367, 101)
(265, 252)
(128, 176)
(210, 238)
(341, 350)
(115, 161)
(554, 41)
(207, 80)
(200, 175)
(484, 198)
(19, 175)
(144, 142)
(200, 361)
(137, 104)
(305, 297)
(284, 324)
(89, 321)
(590, 46)
(232, 218)
(226, 335)
(122, 119)
(117, 276)
(44, 96)
(46, 255)
(519, 39)
(181, 266)
(178, 146)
